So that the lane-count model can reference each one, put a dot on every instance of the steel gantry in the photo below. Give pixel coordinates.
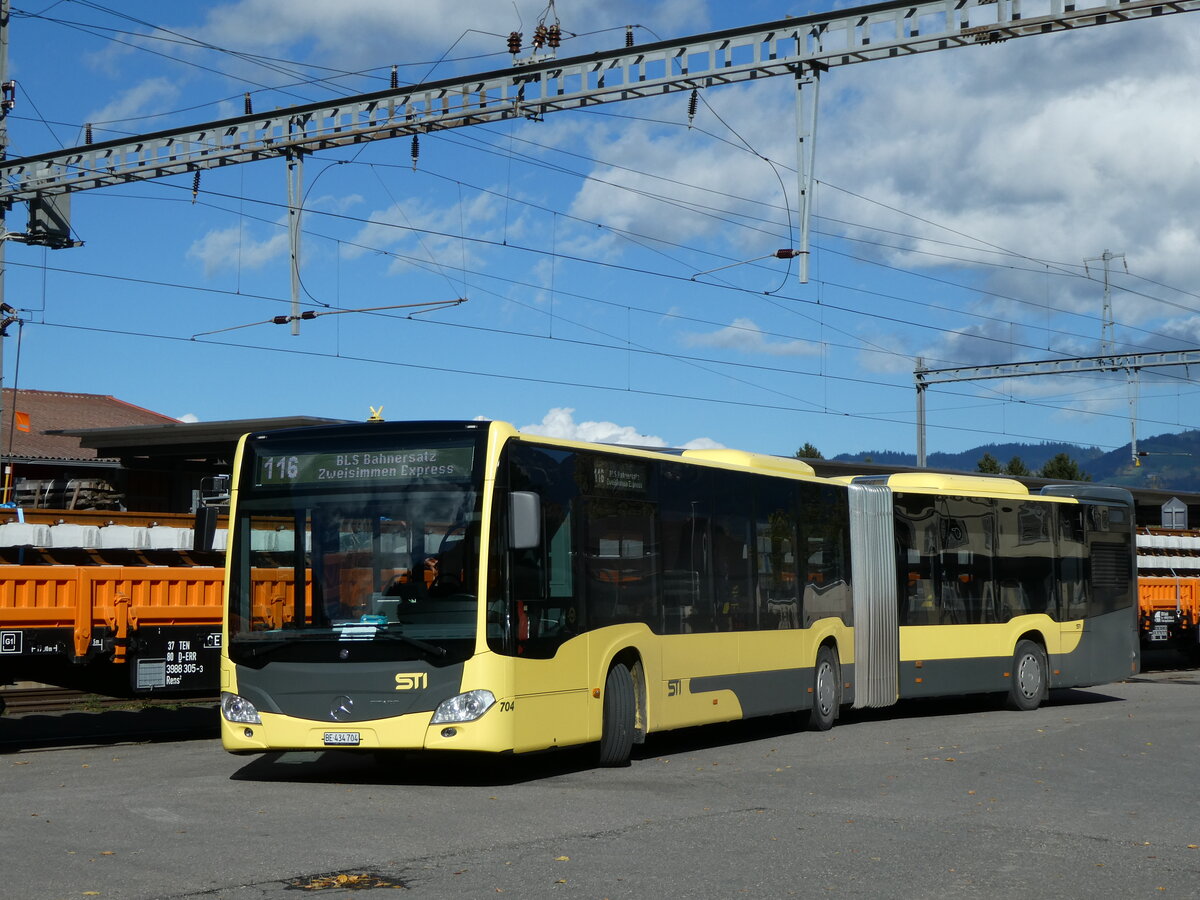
(801, 47)
(1127, 362)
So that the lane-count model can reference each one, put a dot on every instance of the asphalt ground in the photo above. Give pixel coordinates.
(1093, 795)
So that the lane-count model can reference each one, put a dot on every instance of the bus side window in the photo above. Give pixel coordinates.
(1025, 576)
(824, 529)
(532, 606)
(621, 562)
(777, 588)
(546, 612)
(733, 553)
(683, 522)
(917, 557)
(1072, 553)
(967, 592)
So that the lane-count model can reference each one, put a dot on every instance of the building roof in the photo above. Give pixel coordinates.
(212, 441)
(51, 412)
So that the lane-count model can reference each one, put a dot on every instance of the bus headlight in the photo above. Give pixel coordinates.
(463, 707)
(238, 709)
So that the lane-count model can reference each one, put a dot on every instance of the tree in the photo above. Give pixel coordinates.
(1063, 468)
(1017, 467)
(989, 465)
(808, 451)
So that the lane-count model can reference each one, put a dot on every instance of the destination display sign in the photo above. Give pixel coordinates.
(429, 464)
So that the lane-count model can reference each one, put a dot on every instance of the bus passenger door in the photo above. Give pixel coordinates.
(545, 620)
(706, 593)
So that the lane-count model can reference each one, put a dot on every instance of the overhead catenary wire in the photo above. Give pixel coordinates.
(308, 314)
(562, 339)
(643, 271)
(624, 389)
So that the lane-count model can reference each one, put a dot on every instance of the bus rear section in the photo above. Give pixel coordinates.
(1002, 590)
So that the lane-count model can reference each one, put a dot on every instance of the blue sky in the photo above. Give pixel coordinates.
(959, 194)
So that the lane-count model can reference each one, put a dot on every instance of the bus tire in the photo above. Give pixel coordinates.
(827, 690)
(1028, 685)
(620, 707)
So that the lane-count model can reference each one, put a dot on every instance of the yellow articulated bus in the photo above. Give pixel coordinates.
(462, 586)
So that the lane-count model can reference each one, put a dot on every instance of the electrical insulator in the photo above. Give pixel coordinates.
(249, 109)
(539, 37)
(283, 320)
(416, 151)
(692, 103)
(195, 185)
(628, 35)
(87, 133)
(395, 79)
(553, 37)
(10, 96)
(786, 254)
(514, 42)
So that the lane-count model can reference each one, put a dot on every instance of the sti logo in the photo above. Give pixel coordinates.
(412, 681)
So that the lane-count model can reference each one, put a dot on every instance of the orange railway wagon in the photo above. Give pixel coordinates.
(108, 602)
(122, 630)
(1169, 613)
(126, 609)
(114, 630)
(1169, 589)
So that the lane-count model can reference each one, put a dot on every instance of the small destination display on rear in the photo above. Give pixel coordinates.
(448, 464)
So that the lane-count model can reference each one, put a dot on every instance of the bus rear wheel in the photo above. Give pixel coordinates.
(827, 690)
(1028, 686)
(620, 707)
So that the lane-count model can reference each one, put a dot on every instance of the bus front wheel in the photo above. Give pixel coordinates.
(827, 690)
(1028, 685)
(616, 734)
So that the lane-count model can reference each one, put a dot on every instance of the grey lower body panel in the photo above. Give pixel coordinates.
(769, 693)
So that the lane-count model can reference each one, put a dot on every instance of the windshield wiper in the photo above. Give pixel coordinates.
(256, 647)
(431, 649)
(261, 647)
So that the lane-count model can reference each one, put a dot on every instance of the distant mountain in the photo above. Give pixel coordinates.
(1168, 461)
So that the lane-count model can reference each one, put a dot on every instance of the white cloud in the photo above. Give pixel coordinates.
(1058, 147)
(237, 246)
(675, 186)
(703, 444)
(744, 336)
(378, 32)
(428, 233)
(234, 248)
(149, 96)
(189, 418)
(560, 423)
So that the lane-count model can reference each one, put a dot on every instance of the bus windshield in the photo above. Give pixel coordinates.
(387, 572)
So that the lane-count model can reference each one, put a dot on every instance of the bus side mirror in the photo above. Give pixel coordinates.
(524, 520)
